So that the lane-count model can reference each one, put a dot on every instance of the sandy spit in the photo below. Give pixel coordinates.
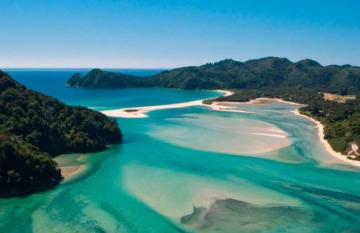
(141, 112)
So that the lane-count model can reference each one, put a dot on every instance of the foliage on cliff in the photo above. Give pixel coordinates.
(35, 127)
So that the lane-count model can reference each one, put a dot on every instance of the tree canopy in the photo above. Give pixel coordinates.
(34, 128)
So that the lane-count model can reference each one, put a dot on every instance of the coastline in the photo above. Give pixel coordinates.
(265, 100)
(328, 147)
(296, 112)
(318, 124)
(141, 112)
(225, 107)
(71, 166)
(71, 172)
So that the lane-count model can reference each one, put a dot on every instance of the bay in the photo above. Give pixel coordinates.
(192, 170)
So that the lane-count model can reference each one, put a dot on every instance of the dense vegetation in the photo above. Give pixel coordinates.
(97, 78)
(34, 128)
(23, 168)
(230, 74)
(304, 82)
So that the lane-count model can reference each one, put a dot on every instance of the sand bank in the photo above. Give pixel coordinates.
(264, 100)
(71, 172)
(225, 107)
(141, 112)
(272, 135)
(225, 92)
(222, 134)
(328, 147)
(320, 127)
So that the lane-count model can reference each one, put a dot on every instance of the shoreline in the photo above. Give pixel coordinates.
(328, 147)
(319, 126)
(266, 100)
(220, 106)
(71, 167)
(141, 112)
(71, 172)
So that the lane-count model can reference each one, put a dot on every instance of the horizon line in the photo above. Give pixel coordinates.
(86, 68)
(183, 65)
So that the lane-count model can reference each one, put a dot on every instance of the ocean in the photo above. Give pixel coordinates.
(191, 170)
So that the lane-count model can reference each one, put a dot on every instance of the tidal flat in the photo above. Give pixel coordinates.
(174, 173)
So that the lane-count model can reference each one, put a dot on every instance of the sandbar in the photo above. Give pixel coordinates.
(71, 172)
(141, 112)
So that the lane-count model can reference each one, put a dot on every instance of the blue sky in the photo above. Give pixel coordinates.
(165, 33)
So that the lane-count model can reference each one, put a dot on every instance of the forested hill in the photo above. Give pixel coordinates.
(97, 78)
(230, 74)
(34, 128)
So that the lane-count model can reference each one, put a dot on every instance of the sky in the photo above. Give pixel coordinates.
(174, 33)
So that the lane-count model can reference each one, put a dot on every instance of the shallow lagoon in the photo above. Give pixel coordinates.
(159, 182)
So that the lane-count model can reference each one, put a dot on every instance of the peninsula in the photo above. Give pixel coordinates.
(330, 93)
(34, 128)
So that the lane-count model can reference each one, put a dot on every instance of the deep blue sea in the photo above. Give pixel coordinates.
(52, 82)
(191, 170)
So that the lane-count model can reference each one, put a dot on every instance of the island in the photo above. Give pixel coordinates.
(35, 128)
(330, 94)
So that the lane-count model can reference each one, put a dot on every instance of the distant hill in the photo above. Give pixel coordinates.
(34, 128)
(97, 78)
(230, 74)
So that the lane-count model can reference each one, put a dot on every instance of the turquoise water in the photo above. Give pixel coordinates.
(193, 170)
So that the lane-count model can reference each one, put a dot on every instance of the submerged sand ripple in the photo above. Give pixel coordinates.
(230, 215)
(215, 133)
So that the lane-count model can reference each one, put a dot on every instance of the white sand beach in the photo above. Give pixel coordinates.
(320, 127)
(141, 112)
(264, 100)
(72, 166)
(71, 172)
(226, 107)
(328, 147)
